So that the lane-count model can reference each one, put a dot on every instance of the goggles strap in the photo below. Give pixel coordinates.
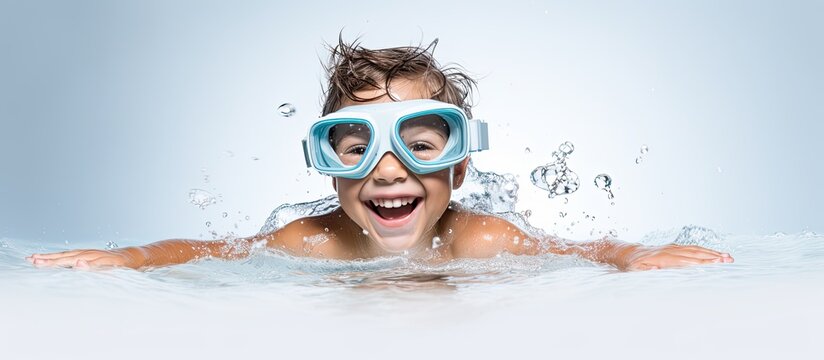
(452, 177)
(478, 135)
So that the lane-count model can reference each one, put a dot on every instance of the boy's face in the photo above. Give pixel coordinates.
(398, 208)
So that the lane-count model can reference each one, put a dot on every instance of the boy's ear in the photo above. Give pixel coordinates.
(459, 173)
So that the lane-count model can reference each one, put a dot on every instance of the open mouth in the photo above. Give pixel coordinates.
(393, 209)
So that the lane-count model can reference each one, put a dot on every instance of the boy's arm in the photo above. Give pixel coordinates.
(486, 236)
(172, 252)
(161, 253)
(626, 256)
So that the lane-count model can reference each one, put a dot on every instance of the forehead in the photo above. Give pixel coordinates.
(400, 88)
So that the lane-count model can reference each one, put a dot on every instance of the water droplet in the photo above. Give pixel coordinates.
(436, 242)
(111, 245)
(612, 203)
(515, 240)
(326, 229)
(286, 110)
(604, 182)
(613, 233)
(201, 198)
(247, 217)
(208, 223)
(527, 213)
(483, 223)
(719, 169)
(365, 232)
(225, 214)
(566, 200)
(639, 159)
(567, 148)
(644, 149)
(255, 158)
(449, 231)
(527, 150)
(556, 178)
(562, 214)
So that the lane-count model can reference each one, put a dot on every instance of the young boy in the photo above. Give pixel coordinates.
(395, 136)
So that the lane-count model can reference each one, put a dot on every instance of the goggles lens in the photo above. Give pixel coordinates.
(425, 136)
(350, 142)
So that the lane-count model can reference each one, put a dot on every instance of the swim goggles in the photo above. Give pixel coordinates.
(426, 135)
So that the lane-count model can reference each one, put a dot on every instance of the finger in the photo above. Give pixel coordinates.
(703, 249)
(701, 254)
(57, 254)
(645, 267)
(68, 262)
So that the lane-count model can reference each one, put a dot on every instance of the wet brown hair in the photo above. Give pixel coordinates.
(352, 68)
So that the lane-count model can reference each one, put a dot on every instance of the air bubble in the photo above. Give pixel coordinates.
(644, 149)
(225, 214)
(365, 232)
(286, 110)
(111, 245)
(208, 223)
(562, 214)
(527, 150)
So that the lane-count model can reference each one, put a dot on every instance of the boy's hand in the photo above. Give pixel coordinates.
(671, 256)
(85, 259)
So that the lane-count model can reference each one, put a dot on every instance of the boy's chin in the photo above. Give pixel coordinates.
(396, 244)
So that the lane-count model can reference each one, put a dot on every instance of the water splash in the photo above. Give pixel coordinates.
(555, 177)
(287, 213)
(687, 235)
(487, 191)
(201, 198)
(286, 110)
(604, 182)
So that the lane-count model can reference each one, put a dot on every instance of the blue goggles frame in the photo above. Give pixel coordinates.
(383, 121)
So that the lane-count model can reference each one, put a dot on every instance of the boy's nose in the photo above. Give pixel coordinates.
(390, 169)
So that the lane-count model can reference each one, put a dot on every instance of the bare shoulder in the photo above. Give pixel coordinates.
(317, 236)
(483, 236)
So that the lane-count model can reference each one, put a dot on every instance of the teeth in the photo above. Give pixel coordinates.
(393, 203)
